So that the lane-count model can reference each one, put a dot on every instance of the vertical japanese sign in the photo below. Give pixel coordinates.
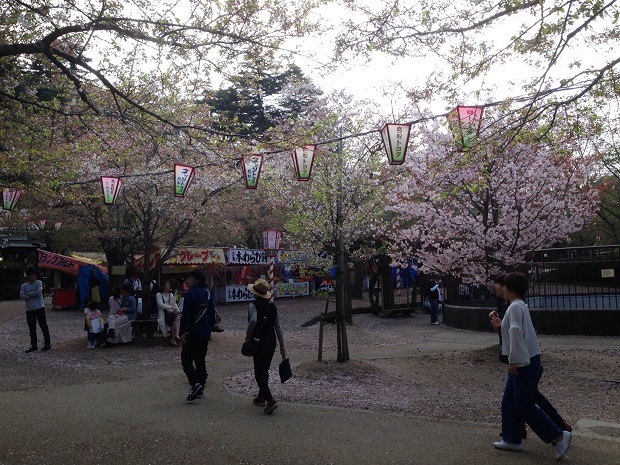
(395, 140)
(252, 165)
(183, 177)
(10, 198)
(303, 158)
(111, 187)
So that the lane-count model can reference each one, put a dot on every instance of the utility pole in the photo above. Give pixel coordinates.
(341, 274)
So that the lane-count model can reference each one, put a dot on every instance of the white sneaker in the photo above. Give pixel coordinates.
(563, 445)
(436, 323)
(501, 445)
(90, 346)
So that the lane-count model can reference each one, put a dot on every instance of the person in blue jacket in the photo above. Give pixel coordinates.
(197, 321)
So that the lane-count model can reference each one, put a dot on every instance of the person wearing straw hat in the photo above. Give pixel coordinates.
(264, 326)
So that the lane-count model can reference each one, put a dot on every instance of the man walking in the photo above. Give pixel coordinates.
(32, 293)
(197, 321)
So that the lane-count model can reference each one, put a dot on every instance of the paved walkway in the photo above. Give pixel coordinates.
(142, 419)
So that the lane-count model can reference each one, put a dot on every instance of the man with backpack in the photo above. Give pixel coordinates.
(197, 321)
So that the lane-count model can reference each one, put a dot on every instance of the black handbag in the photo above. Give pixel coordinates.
(285, 370)
(249, 348)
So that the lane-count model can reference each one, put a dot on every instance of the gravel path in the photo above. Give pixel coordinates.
(53, 402)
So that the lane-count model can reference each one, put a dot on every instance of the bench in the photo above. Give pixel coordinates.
(141, 327)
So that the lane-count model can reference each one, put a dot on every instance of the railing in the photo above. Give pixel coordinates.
(575, 278)
(569, 278)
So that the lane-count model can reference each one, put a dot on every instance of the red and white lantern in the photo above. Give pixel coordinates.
(57, 225)
(303, 158)
(42, 224)
(183, 177)
(111, 187)
(395, 140)
(464, 123)
(252, 165)
(271, 241)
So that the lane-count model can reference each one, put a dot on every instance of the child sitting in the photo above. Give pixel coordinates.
(93, 323)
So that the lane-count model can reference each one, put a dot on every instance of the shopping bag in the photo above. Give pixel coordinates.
(285, 370)
(96, 326)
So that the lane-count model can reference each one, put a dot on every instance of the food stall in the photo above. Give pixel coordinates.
(292, 287)
(185, 259)
(242, 267)
(83, 270)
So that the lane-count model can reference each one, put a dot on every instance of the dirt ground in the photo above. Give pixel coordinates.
(400, 366)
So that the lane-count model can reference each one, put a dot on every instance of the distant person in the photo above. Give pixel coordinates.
(264, 325)
(520, 345)
(32, 292)
(433, 294)
(134, 281)
(94, 324)
(93, 283)
(197, 322)
(168, 313)
(114, 302)
(119, 324)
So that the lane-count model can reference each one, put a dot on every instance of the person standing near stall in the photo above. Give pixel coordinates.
(32, 293)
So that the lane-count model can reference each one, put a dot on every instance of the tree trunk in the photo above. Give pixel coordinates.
(358, 281)
(385, 270)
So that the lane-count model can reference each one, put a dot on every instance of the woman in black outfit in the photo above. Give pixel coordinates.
(264, 325)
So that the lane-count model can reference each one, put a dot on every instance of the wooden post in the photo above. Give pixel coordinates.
(321, 330)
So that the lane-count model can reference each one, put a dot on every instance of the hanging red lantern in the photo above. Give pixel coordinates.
(10, 198)
(464, 123)
(252, 165)
(303, 158)
(111, 187)
(395, 140)
(183, 177)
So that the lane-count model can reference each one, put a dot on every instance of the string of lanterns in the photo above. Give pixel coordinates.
(464, 123)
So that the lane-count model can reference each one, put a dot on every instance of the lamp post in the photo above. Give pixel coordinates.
(341, 326)
(271, 244)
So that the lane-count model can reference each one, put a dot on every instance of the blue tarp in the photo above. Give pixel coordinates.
(84, 272)
(408, 276)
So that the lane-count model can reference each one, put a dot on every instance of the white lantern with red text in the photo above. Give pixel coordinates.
(111, 187)
(57, 225)
(252, 165)
(464, 123)
(10, 198)
(303, 157)
(395, 140)
(271, 240)
(183, 177)
(42, 224)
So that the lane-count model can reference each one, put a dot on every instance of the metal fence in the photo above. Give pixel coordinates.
(575, 278)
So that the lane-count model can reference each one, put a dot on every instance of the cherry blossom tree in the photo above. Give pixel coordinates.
(473, 214)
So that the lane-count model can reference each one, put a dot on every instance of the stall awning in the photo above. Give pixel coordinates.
(246, 257)
(196, 256)
(292, 257)
(185, 256)
(59, 262)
